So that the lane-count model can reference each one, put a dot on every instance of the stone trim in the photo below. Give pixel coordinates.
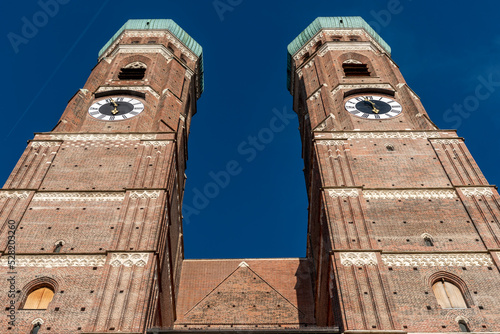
(323, 124)
(145, 194)
(155, 143)
(446, 141)
(144, 49)
(410, 194)
(333, 32)
(14, 194)
(171, 38)
(79, 196)
(100, 136)
(111, 50)
(380, 135)
(129, 259)
(477, 192)
(358, 259)
(136, 88)
(343, 193)
(331, 142)
(346, 46)
(55, 261)
(358, 86)
(437, 260)
(315, 95)
(36, 144)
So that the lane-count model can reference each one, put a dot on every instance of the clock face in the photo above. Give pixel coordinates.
(373, 107)
(116, 108)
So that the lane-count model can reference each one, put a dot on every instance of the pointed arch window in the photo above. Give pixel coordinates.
(36, 328)
(355, 68)
(58, 247)
(428, 240)
(39, 299)
(133, 71)
(448, 295)
(463, 326)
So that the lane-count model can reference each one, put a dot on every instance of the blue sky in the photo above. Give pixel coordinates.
(445, 51)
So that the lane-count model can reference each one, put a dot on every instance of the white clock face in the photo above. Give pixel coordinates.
(116, 108)
(373, 107)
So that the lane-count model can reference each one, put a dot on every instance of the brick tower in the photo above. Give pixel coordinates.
(403, 227)
(96, 203)
(403, 233)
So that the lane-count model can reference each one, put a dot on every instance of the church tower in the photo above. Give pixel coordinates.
(404, 229)
(96, 202)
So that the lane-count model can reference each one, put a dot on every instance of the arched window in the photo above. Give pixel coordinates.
(428, 240)
(133, 71)
(39, 299)
(463, 326)
(36, 328)
(448, 295)
(355, 68)
(58, 247)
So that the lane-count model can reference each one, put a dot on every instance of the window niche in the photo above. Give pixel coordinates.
(448, 295)
(462, 325)
(428, 240)
(39, 298)
(133, 71)
(37, 324)
(58, 246)
(355, 68)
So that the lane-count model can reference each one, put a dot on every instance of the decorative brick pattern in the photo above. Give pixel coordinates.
(343, 193)
(129, 259)
(477, 192)
(437, 260)
(14, 194)
(55, 261)
(358, 259)
(409, 194)
(78, 196)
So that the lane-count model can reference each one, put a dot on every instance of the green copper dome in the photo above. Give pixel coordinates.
(162, 24)
(336, 22)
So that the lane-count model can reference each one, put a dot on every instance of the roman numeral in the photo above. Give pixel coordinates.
(101, 116)
(112, 118)
(94, 113)
(365, 115)
(120, 99)
(377, 116)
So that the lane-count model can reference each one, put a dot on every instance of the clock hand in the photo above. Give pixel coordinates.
(374, 109)
(113, 102)
(115, 111)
